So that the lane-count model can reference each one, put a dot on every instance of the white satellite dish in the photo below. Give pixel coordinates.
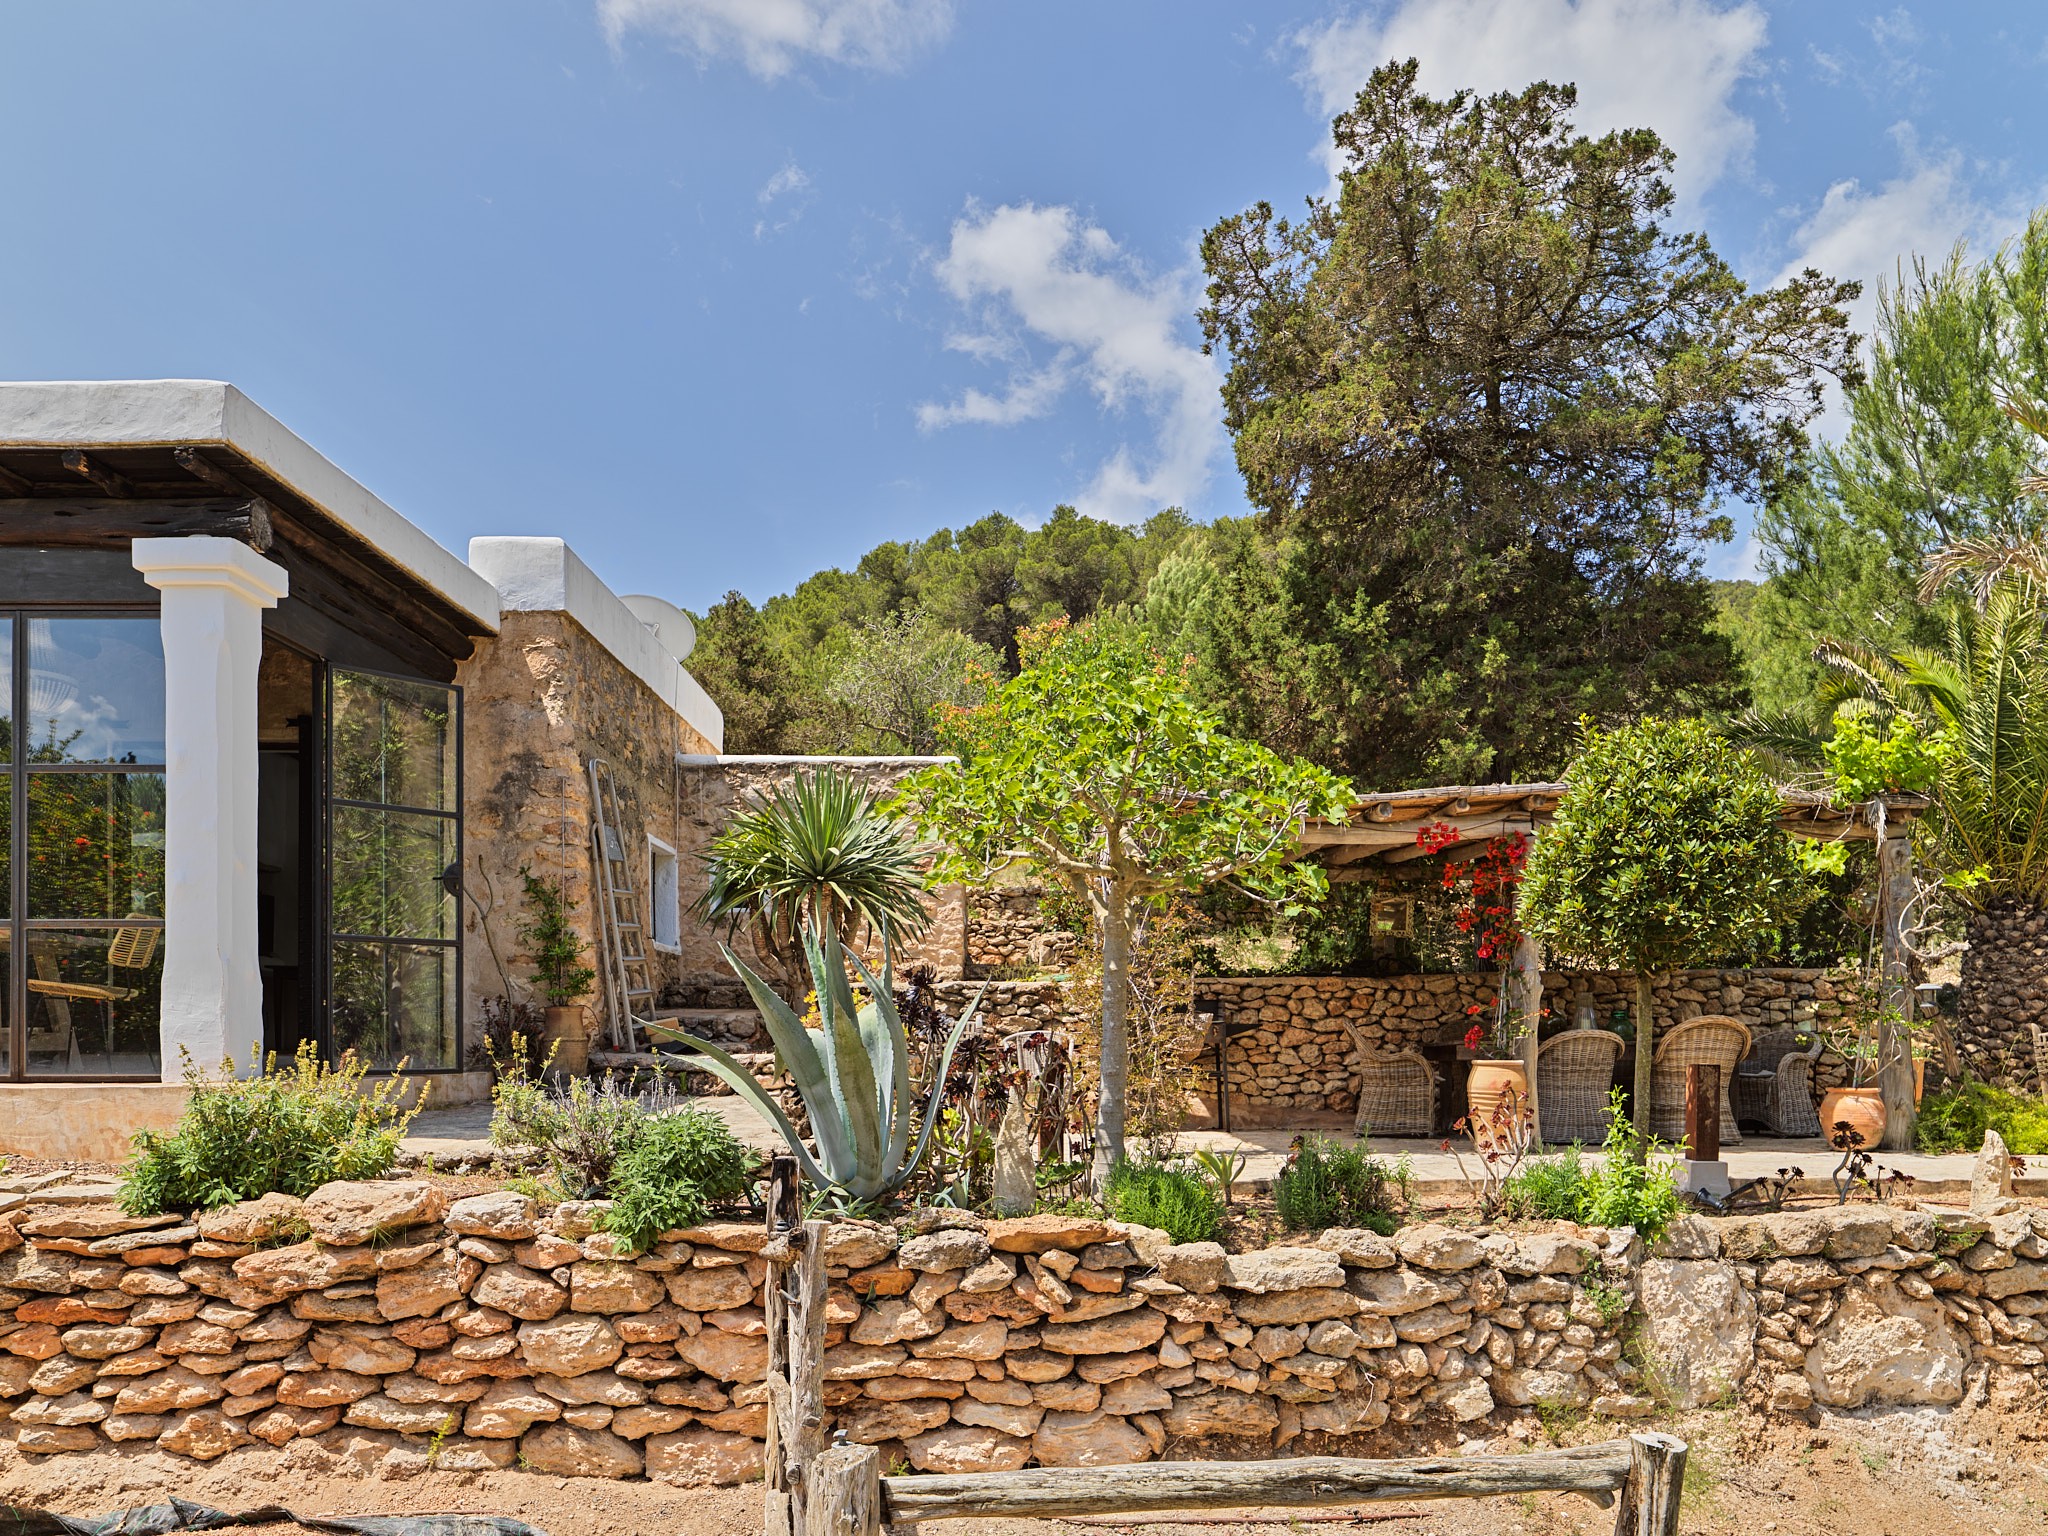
(671, 626)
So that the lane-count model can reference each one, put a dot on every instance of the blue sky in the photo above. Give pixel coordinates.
(725, 291)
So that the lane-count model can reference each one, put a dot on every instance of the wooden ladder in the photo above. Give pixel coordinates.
(622, 936)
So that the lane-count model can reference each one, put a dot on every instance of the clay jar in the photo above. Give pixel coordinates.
(1861, 1108)
(1489, 1082)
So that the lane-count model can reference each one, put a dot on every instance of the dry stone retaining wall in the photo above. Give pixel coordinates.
(481, 1334)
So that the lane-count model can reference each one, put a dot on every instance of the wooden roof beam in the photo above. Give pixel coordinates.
(12, 484)
(80, 463)
(199, 467)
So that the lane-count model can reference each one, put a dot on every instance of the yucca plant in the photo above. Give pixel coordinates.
(817, 852)
(853, 1073)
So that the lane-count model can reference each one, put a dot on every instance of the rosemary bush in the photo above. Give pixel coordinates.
(1158, 1195)
(289, 1128)
(1328, 1185)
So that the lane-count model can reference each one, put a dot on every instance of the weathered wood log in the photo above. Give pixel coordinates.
(1656, 1477)
(1302, 1483)
(82, 464)
(81, 523)
(846, 1493)
(1703, 1111)
(1894, 1029)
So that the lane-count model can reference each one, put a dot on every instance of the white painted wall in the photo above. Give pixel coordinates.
(214, 593)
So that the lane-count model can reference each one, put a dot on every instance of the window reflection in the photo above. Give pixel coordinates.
(395, 1003)
(93, 1000)
(96, 845)
(95, 691)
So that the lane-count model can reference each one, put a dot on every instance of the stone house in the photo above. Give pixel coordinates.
(272, 760)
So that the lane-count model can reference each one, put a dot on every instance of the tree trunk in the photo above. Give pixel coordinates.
(1646, 1029)
(1895, 1026)
(2004, 992)
(1116, 1045)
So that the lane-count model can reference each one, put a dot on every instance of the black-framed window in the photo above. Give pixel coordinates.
(394, 859)
(82, 855)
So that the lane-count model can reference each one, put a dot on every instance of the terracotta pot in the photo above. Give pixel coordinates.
(1489, 1081)
(568, 1031)
(1862, 1108)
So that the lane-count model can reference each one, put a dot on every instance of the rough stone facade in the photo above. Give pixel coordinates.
(1006, 932)
(540, 700)
(712, 790)
(402, 1329)
(2004, 992)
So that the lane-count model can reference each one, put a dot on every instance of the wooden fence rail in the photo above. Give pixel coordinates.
(816, 1490)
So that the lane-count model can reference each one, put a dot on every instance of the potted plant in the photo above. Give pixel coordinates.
(1859, 1103)
(556, 951)
(1498, 1072)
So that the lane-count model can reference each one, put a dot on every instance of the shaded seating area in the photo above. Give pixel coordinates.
(1712, 1039)
(1773, 1086)
(1396, 1096)
(1574, 1076)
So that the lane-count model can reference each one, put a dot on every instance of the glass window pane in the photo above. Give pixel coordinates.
(395, 1003)
(394, 741)
(93, 1001)
(387, 874)
(96, 845)
(6, 844)
(6, 690)
(95, 691)
(6, 1001)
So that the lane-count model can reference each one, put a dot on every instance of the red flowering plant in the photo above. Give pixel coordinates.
(1485, 885)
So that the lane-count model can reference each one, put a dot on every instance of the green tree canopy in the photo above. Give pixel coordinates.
(901, 671)
(1665, 853)
(1931, 458)
(1094, 766)
(1492, 406)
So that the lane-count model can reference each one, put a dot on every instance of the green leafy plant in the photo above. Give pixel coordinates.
(1096, 766)
(1612, 1302)
(288, 1128)
(815, 854)
(853, 1073)
(1328, 1185)
(1956, 1119)
(1902, 759)
(678, 1167)
(1666, 853)
(1174, 1200)
(553, 945)
(582, 1128)
(1222, 1169)
(1626, 1188)
(1551, 1188)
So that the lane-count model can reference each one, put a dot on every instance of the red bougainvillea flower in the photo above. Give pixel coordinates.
(82, 842)
(1473, 1036)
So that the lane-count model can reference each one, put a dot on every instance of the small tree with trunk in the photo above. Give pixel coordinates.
(1095, 767)
(1666, 853)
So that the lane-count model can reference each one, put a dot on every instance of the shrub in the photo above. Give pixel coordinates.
(679, 1166)
(1328, 1185)
(582, 1129)
(1618, 1191)
(289, 1128)
(1174, 1200)
(1956, 1120)
(1626, 1188)
(1553, 1188)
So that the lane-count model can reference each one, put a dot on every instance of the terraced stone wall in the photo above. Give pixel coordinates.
(389, 1326)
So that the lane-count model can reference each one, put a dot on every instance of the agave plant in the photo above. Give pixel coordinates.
(854, 1073)
(816, 853)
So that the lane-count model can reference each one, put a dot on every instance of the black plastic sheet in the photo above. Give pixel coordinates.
(184, 1515)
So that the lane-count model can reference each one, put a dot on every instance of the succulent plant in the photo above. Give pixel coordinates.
(853, 1073)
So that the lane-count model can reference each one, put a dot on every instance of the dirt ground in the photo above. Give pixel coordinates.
(1905, 1472)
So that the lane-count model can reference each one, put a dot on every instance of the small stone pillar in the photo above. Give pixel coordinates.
(214, 593)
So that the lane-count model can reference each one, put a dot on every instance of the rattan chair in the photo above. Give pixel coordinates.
(1396, 1096)
(1712, 1038)
(1774, 1084)
(1574, 1076)
(2040, 1059)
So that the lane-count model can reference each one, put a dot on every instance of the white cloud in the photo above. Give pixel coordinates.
(1044, 275)
(1671, 65)
(791, 178)
(791, 183)
(770, 37)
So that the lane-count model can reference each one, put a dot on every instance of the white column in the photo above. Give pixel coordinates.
(214, 593)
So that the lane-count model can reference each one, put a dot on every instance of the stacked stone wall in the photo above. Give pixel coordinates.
(399, 1329)
(1007, 931)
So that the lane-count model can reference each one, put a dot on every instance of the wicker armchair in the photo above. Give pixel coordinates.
(1397, 1096)
(1774, 1084)
(1574, 1075)
(2040, 1059)
(1712, 1039)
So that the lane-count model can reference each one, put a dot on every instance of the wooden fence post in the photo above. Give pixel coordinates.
(1656, 1475)
(846, 1493)
(793, 1308)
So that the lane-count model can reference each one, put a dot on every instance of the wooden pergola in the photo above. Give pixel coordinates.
(1381, 833)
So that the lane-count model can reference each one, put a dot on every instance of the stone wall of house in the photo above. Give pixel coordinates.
(713, 790)
(540, 700)
(403, 1331)
(1007, 932)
